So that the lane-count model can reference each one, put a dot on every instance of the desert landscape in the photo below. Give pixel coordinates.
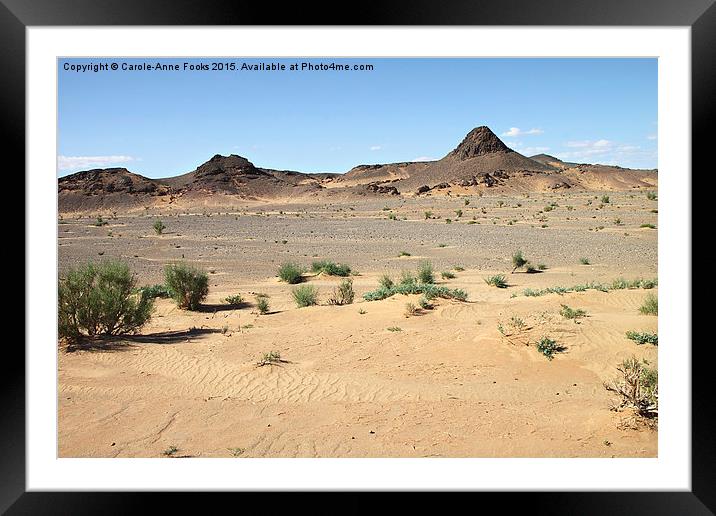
(486, 304)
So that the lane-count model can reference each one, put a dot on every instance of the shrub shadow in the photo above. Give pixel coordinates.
(122, 342)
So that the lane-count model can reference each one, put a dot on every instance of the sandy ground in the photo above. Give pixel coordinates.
(446, 384)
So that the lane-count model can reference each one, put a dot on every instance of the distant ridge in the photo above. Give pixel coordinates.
(480, 161)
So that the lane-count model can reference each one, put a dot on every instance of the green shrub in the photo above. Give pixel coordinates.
(571, 313)
(651, 196)
(447, 275)
(305, 295)
(343, 294)
(100, 299)
(605, 199)
(425, 303)
(331, 268)
(407, 278)
(650, 226)
(270, 358)
(425, 272)
(498, 281)
(518, 260)
(385, 281)
(234, 300)
(428, 215)
(584, 261)
(643, 338)
(410, 309)
(548, 347)
(403, 253)
(154, 291)
(429, 290)
(262, 304)
(650, 306)
(187, 285)
(291, 273)
(159, 227)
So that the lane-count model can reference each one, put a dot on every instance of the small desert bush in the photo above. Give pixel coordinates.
(650, 306)
(548, 347)
(154, 291)
(584, 261)
(234, 300)
(571, 313)
(605, 199)
(100, 221)
(262, 304)
(650, 226)
(403, 253)
(170, 451)
(651, 196)
(100, 299)
(498, 281)
(430, 291)
(410, 309)
(343, 294)
(385, 281)
(518, 260)
(425, 272)
(428, 215)
(188, 285)
(291, 273)
(407, 278)
(637, 386)
(643, 338)
(305, 295)
(331, 268)
(159, 227)
(425, 303)
(447, 275)
(270, 358)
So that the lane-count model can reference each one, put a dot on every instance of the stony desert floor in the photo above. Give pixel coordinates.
(442, 383)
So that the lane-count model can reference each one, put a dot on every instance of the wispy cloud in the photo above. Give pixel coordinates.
(590, 144)
(75, 162)
(516, 131)
(376, 147)
(424, 158)
(527, 151)
(607, 152)
(651, 137)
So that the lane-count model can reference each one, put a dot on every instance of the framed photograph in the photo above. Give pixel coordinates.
(420, 252)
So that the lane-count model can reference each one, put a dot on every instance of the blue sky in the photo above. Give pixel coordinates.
(163, 123)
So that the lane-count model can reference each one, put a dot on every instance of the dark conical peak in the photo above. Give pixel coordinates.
(478, 142)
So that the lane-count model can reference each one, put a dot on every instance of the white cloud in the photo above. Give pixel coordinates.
(531, 151)
(516, 131)
(423, 158)
(85, 162)
(527, 151)
(376, 147)
(651, 137)
(606, 152)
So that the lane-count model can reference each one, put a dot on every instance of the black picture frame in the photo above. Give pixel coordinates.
(700, 15)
